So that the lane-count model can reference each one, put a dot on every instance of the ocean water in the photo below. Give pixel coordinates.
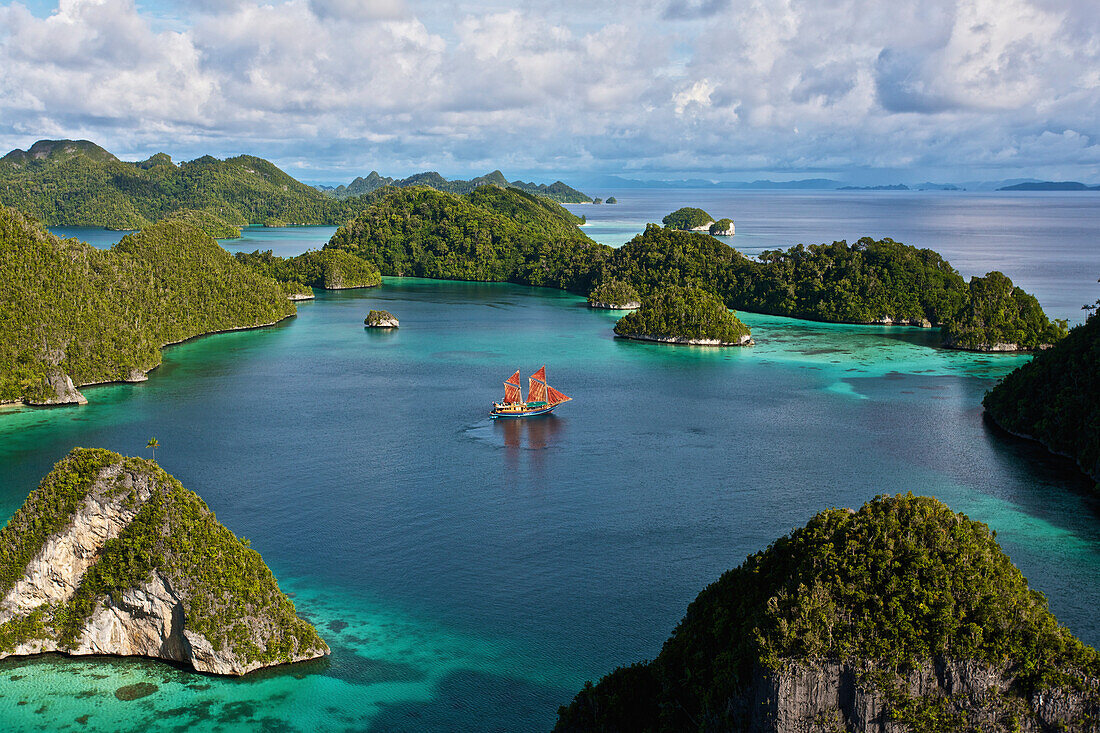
(1047, 242)
(471, 574)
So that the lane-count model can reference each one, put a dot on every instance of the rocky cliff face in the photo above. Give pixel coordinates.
(827, 696)
(112, 556)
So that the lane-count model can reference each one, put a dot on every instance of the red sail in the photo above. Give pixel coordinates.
(555, 397)
(540, 374)
(511, 389)
(536, 390)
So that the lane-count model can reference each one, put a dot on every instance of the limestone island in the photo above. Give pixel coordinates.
(1001, 317)
(722, 228)
(381, 319)
(684, 315)
(691, 219)
(165, 284)
(614, 295)
(1055, 398)
(111, 555)
(328, 269)
(901, 617)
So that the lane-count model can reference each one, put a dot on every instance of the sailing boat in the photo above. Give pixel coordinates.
(541, 397)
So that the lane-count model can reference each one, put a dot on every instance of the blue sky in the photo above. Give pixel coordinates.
(859, 90)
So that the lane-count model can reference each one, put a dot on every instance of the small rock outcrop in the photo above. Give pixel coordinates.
(902, 617)
(722, 228)
(111, 555)
(381, 319)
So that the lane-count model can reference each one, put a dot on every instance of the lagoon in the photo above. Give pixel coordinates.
(472, 574)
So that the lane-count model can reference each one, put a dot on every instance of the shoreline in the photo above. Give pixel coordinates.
(684, 341)
(986, 414)
(144, 373)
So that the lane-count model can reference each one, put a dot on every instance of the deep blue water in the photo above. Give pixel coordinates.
(470, 575)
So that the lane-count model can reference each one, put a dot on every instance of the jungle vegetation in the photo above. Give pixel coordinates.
(78, 183)
(687, 313)
(504, 235)
(615, 293)
(556, 191)
(331, 269)
(220, 580)
(901, 583)
(1055, 398)
(102, 315)
(687, 218)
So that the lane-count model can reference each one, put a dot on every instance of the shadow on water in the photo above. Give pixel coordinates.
(483, 701)
(533, 435)
(1044, 470)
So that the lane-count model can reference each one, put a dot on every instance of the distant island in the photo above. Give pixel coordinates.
(78, 183)
(556, 191)
(77, 315)
(504, 235)
(111, 555)
(894, 187)
(688, 219)
(1050, 186)
(684, 315)
(1055, 398)
(900, 616)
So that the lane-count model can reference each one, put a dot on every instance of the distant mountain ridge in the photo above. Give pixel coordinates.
(1050, 186)
(557, 191)
(79, 183)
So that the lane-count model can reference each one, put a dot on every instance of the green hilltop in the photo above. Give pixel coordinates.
(869, 604)
(231, 603)
(71, 310)
(77, 183)
(556, 191)
(1055, 398)
(505, 235)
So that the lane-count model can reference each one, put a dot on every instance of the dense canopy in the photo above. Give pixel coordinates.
(690, 313)
(102, 315)
(900, 583)
(1055, 398)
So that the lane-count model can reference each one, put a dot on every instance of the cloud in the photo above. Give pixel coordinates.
(731, 88)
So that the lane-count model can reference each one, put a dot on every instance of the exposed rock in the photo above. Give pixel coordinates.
(632, 305)
(64, 392)
(889, 321)
(380, 319)
(702, 227)
(745, 340)
(203, 599)
(301, 296)
(825, 696)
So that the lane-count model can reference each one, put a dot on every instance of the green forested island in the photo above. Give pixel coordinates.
(1055, 398)
(1001, 317)
(903, 612)
(688, 218)
(331, 269)
(684, 315)
(73, 315)
(504, 235)
(556, 191)
(78, 183)
(211, 224)
(614, 295)
(203, 597)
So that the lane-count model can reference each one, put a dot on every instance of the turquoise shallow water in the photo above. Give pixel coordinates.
(470, 575)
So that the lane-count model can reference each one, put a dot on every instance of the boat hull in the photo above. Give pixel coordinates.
(522, 413)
